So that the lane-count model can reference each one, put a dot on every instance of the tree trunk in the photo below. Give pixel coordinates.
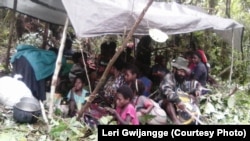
(212, 4)
(228, 7)
(232, 61)
(11, 36)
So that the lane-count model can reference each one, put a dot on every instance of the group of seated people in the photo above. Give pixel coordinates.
(127, 95)
(127, 87)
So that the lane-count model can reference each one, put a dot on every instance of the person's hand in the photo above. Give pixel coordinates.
(143, 111)
(111, 111)
(197, 93)
(192, 97)
(181, 106)
(73, 89)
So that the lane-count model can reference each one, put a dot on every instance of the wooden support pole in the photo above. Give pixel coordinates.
(111, 62)
(57, 69)
(85, 68)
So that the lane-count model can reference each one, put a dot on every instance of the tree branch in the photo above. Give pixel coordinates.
(111, 62)
(57, 69)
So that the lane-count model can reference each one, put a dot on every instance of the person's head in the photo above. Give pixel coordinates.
(77, 57)
(138, 87)
(180, 65)
(79, 82)
(118, 65)
(102, 64)
(68, 45)
(131, 73)
(108, 49)
(188, 55)
(104, 46)
(196, 58)
(112, 47)
(159, 59)
(145, 41)
(124, 95)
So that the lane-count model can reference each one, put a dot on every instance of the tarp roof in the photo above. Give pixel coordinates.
(51, 11)
(98, 17)
(91, 18)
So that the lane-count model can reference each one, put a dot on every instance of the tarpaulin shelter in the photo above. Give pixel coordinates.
(97, 17)
(51, 11)
(91, 18)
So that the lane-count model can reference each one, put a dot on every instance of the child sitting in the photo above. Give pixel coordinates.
(125, 112)
(142, 103)
(145, 105)
(77, 95)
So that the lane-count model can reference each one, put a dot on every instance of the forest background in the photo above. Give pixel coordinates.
(229, 103)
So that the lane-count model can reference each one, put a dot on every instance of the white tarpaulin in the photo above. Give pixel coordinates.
(51, 11)
(92, 18)
(99, 17)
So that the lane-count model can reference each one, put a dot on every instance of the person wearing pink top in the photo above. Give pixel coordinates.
(125, 112)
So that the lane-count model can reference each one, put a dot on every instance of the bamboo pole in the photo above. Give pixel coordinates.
(113, 59)
(11, 35)
(57, 69)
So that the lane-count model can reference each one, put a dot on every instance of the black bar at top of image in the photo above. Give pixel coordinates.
(173, 132)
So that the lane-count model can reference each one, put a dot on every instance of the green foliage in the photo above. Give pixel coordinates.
(220, 108)
(107, 120)
(68, 128)
(145, 118)
(216, 108)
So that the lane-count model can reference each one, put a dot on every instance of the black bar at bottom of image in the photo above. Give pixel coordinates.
(173, 132)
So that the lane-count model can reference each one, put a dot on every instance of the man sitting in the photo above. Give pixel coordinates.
(174, 82)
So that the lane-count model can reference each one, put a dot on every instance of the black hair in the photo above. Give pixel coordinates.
(138, 87)
(77, 55)
(145, 40)
(104, 46)
(68, 43)
(112, 46)
(126, 91)
(159, 58)
(188, 54)
(197, 54)
(133, 68)
(82, 77)
(119, 64)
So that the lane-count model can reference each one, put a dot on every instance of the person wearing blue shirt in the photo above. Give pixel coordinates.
(77, 95)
